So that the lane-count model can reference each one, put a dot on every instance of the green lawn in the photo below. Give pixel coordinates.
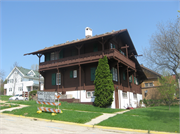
(73, 106)
(70, 116)
(4, 97)
(152, 118)
(73, 111)
(4, 106)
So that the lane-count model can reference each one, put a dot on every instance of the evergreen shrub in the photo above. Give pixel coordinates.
(104, 85)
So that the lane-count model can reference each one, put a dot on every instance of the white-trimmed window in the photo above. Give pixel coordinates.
(20, 89)
(135, 96)
(11, 80)
(10, 89)
(30, 79)
(124, 95)
(73, 74)
(149, 84)
(112, 46)
(54, 56)
(90, 94)
(58, 79)
(114, 74)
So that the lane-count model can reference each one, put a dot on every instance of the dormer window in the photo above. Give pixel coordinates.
(31, 73)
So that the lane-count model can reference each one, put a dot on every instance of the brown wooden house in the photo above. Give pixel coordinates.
(70, 67)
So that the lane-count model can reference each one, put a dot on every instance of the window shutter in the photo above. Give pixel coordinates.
(47, 57)
(124, 76)
(61, 54)
(71, 74)
(114, 46)
(95, 47)
(134, 80)
(53, 79)
(93, 70)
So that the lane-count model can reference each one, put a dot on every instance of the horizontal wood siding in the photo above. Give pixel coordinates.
(71, 82)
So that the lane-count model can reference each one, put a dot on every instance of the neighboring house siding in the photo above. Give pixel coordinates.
(149, 86)
(20, 81)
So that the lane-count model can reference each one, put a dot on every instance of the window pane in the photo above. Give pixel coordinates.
(146, 84)
(75, 74)
(88, 94)
(92, 93)
(111, 46)
(52, 56)
(124, 95)
(124, 76)
(58, 79)
(135, 96)
(115, 73)
(151, 84)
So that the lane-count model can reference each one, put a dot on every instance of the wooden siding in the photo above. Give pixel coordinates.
(86, 58)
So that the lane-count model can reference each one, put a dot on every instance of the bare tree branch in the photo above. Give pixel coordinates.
(164, 50)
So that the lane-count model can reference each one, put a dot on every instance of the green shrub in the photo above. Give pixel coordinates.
(34, 92)
(104, 86)
(145, 101)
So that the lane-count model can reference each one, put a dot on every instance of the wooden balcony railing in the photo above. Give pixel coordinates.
(85, 58)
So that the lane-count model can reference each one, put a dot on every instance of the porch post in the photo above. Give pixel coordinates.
(39, 55)
(118, 73)
(58, 81)
(128, 76)
(80, 80)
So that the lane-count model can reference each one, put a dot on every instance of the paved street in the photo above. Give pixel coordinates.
(20, 125)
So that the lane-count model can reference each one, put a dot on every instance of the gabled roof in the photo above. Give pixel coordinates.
(150, 74)
(25, 72)
(121, 33)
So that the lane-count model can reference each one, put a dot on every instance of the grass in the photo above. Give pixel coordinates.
(151, 118)
(4, 106)
(73, 111)
(73, 106)
(4, 97)
(70, 116)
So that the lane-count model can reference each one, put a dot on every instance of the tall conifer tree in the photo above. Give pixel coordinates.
(104, 86)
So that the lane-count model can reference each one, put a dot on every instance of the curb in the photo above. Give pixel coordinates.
(92, 126)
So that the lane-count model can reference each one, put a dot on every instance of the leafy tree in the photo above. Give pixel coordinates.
(2, 86)
(167, 89)
(104, 86)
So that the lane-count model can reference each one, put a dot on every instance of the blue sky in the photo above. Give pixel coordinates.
(27, 26)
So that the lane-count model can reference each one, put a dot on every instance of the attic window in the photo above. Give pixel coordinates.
(31, 73)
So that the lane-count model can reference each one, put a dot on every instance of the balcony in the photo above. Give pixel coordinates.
(86, 58)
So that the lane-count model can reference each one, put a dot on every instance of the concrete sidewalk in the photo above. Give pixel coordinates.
(13, 108)
(103, 117)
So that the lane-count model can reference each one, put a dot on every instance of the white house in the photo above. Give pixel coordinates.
(22, 79)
